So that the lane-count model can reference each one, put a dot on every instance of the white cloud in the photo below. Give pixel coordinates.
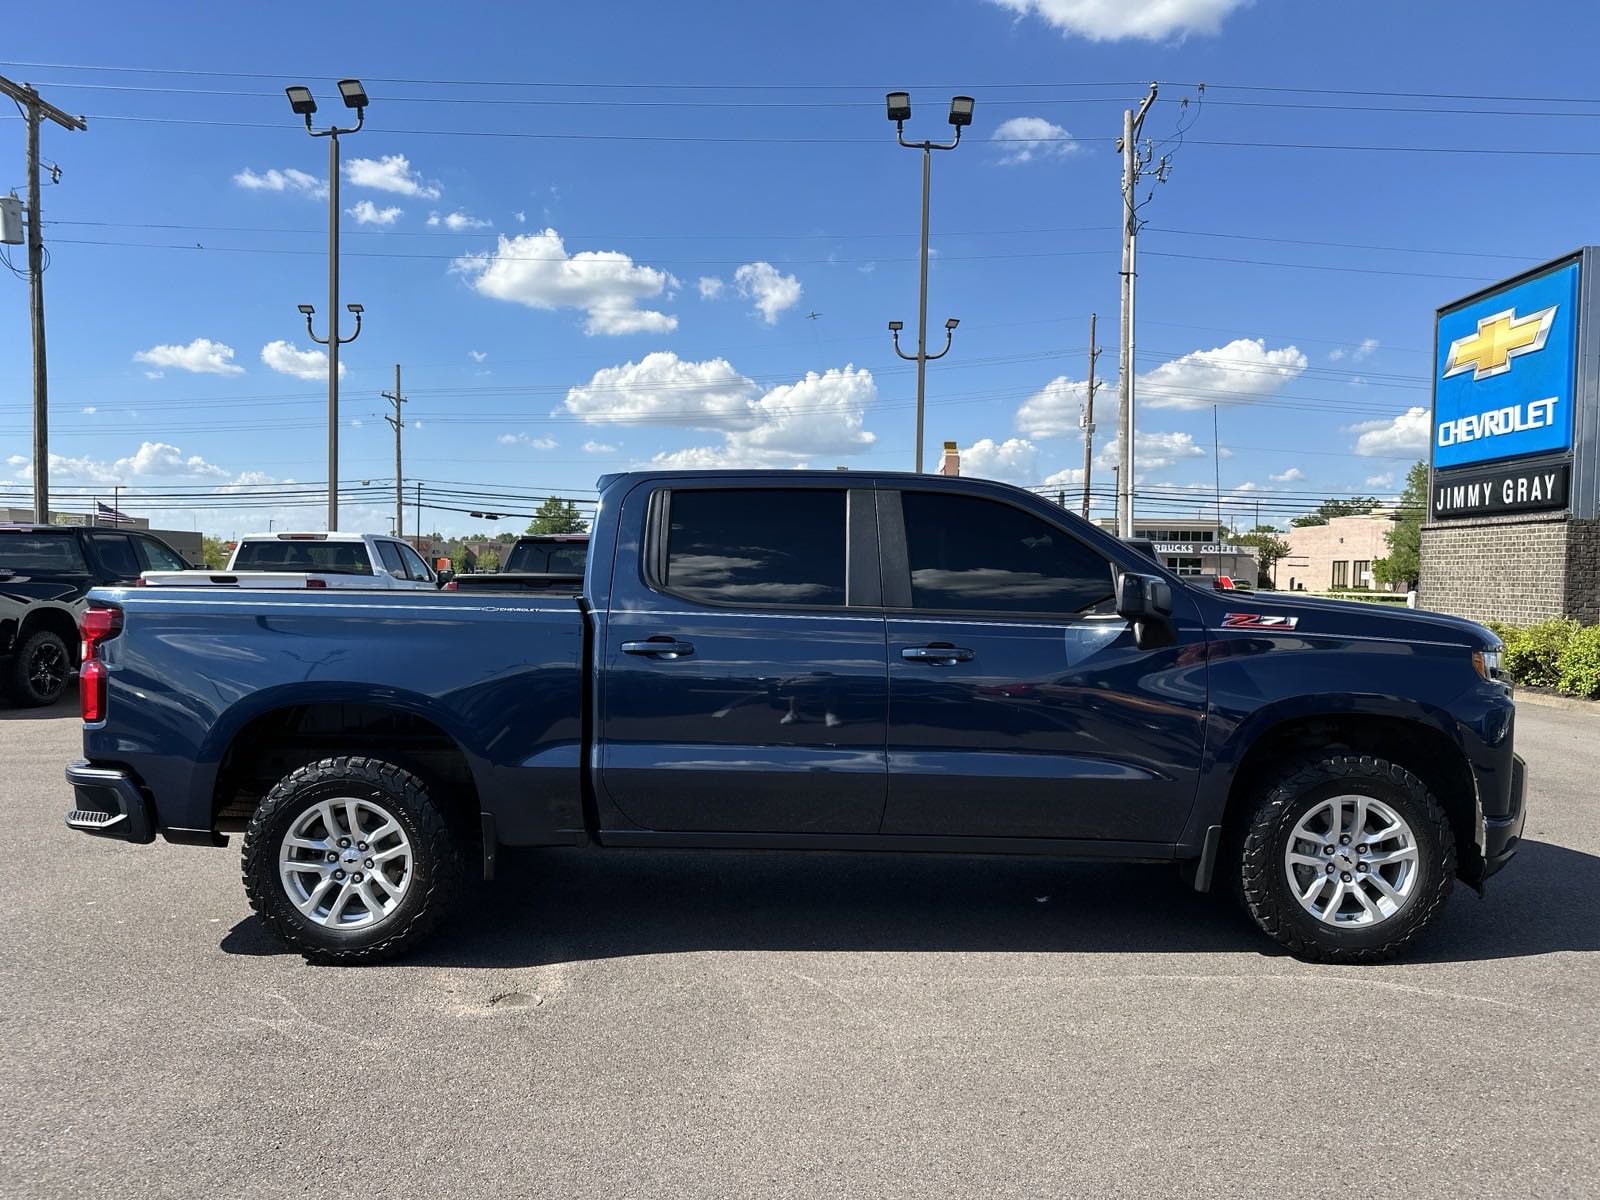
(459, 221)
(819, 416)
(661, 388)
(1022, 139)
(391, 173)
(477, 356)
(151, 460)
(522, 217)
(1055, 409)
(523, 439)
(598, 448)
(1112, 20)
(1247, 486)
(155, 374)
(1067, 477)
(1356, 353)
(1153, 451)
(1383, 480)
(710, 287)
(367, 213)
(283, 357)
(535, 269)
(1405, 434)
(1292, 475)
(768, 288)
(202, 356)
(274, 180)
(1241, 371)
(90, 409)
(1015, 460)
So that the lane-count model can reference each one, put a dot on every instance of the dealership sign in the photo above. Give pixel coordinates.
(1489, 491)
(1504, 386)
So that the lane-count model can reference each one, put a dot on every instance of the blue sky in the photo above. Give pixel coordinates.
(714, 172)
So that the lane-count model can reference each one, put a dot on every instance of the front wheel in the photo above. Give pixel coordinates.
(1346, 859)
(350, 860)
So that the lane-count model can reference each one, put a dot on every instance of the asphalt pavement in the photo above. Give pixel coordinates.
(632, 1024)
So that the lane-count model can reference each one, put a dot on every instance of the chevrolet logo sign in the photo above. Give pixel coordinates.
(1499, 339)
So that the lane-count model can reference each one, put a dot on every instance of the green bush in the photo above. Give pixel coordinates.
(1532, 653)
(1578, 664)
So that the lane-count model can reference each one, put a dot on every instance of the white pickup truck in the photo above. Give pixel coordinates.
(363, 561)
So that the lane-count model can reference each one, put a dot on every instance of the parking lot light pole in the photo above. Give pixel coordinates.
(303, 104)
(898, 107)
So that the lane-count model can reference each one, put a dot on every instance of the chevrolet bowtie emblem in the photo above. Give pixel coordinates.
(1499, 339)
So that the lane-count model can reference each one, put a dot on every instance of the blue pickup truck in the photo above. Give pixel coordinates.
(808, 661)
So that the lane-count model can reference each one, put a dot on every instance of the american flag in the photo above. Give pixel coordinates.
(104, 512)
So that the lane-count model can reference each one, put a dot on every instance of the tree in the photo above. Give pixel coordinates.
(1353, 507)
(556, 516)
(1403, 563)
(488, 562)
(215, 552)
(1269, 548)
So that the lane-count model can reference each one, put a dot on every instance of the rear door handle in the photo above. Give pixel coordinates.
(937, 654)
(659, 647)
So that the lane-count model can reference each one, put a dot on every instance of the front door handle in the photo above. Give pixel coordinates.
(939, 652)
(659, 647)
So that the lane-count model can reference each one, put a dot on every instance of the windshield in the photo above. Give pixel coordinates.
(548, 558)
(328, 558)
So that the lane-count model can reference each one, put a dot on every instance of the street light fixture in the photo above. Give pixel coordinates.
(303, 104)
(897, 106)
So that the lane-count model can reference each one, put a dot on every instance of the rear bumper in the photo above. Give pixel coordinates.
(1502, 835)
(108, 803)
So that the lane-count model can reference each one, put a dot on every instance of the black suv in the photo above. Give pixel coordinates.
(45, 573)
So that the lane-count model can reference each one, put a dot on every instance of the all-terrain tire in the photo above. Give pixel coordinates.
(41, 670)
(436, 862)
(1263, 881)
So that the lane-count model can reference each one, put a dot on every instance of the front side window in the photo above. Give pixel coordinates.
(758, 546)
(157, 557)
(41, 553)
(967, 553)
(115, 552)
(416, 569)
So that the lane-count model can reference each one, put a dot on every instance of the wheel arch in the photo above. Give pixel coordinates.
(51, 618)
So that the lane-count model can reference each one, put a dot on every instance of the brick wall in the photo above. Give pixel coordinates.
(1512, 569)
(1314, 548)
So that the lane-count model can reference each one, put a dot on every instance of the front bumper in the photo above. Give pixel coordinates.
(107, 803)
(1502, 834)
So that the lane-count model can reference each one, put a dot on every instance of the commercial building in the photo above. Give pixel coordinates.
(1336, 556)
(1193, 547)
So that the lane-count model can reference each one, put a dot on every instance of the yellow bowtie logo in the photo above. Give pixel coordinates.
(1499, 339)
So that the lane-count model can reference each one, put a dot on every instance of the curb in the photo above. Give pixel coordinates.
(1540, 700)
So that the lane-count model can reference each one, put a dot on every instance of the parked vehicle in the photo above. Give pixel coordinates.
(361, 561)
(805, 660)
(46, 572)
(542, 562)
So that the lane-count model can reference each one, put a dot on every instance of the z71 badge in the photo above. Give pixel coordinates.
(1257, 621)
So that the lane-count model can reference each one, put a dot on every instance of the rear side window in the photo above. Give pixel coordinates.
(329, 558)
(45, 553)
(391, 559)
(757, 546)
(116, 554)
(972, 554)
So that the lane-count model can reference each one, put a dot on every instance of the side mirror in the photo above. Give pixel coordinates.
(1146, 602)
(446, 577)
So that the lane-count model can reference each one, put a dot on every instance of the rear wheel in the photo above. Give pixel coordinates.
(350, 860)
(40, 671)
(1347, 859)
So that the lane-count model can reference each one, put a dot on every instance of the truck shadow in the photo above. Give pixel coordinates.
(570, 906)
(63, 709)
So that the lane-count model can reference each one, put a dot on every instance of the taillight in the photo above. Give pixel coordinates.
(451, 587)
(98, 625)
(316, 583)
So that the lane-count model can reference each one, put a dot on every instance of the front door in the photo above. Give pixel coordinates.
(1019, 705)
(744, 687)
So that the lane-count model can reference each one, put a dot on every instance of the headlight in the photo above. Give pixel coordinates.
(1486, 663)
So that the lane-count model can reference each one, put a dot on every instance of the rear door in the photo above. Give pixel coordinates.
(744, 685)
(1019, 705)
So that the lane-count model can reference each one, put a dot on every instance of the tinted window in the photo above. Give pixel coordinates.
(329, 558)
(758, 546)
(537, 558)
(159, 557)
(968, 553)
(415, 568)
(390, 554)
(45, 553)
(115, 552)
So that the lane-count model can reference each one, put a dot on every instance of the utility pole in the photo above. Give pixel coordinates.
(419, 514)
(399, 479)
(34, 110)
(1131, 163)
(1088, 418)
(1216, 463)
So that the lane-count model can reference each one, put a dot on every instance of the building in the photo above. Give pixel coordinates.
(185, 541)
(1336, 556)
(1193, 547)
